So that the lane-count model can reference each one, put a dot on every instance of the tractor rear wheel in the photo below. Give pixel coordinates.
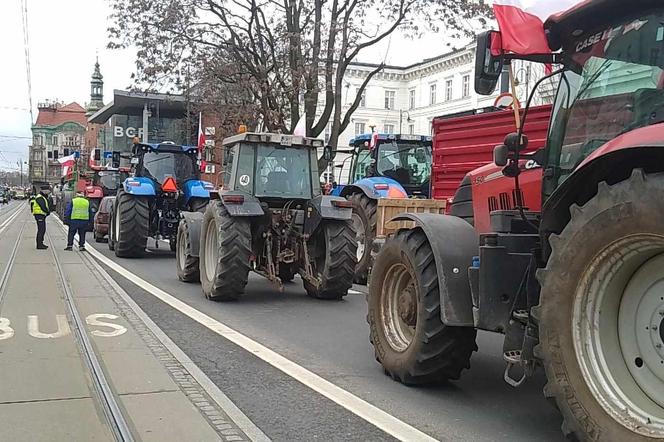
(601, 314)
(406, 330)
(332, 252)
(364, 222)
(225, 253)
(187, 265)
(131, 222)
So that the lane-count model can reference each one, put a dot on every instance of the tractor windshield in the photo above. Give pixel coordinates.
(161, 165)
(407, 163)
(280, 172)
(110, 180)
(613, 85)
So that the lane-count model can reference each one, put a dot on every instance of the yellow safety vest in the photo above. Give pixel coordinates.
(80, 209)
(36, 210)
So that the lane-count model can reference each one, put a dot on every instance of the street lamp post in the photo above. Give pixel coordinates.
(408, 120)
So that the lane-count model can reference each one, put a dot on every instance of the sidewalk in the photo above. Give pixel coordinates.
(47, 392)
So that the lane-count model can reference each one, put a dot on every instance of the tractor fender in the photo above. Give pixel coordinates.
(321, 208)
(196, 189)
(194, 221)
(368, 187)
(250, 207)
(454, 243)
(140, 186)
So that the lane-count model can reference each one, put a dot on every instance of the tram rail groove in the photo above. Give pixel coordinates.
(8, 268)
(112, 411)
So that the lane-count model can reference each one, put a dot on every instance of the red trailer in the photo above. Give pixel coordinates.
(463, 169)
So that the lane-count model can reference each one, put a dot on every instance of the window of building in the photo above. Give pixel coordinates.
(65, 151)
(411, 99)
(389, 128)
(54, 140)
(363, 99)
(49, 155)
(359, 128)
(55, 154)
(209, 154)
(389, 99)
(465, 85)
(328, 132)
(411, 129)
(432, 94)
(448, 89)
(36, 140)
(37, 155)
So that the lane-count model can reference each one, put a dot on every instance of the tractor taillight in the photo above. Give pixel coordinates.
(233, 199)
(342, 204)
(381, 186)
(134, 183)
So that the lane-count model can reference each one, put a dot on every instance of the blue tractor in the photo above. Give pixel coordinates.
(164, 182)
(397, 166)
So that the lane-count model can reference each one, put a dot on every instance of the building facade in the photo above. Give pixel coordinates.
(59, 131)
(407, 99)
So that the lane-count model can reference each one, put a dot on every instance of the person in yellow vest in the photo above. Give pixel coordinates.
(78, 214)
(41, 208)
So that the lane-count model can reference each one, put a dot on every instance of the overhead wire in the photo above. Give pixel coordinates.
(26, 45)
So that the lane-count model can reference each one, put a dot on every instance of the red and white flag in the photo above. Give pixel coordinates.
(521, 23)
(374, 140)
(67, 164)
(201, 141)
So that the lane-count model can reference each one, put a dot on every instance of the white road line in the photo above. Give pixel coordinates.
(9, 220)
(370, 413)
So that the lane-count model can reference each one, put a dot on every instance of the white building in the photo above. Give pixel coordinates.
(406, 99)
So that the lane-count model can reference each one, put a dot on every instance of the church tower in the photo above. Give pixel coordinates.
(96, 91)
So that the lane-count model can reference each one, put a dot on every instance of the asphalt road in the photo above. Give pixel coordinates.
(331, 340)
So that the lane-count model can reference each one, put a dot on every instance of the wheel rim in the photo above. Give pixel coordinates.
(182, 250)
(617, 325)
(360, 235)
(211, 252)
(398, 307)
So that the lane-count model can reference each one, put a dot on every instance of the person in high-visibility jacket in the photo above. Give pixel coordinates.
(40, 206)
(78, 214)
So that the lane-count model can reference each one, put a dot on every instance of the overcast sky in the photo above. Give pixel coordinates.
(66, 35)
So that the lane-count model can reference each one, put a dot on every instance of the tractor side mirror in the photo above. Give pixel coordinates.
(116, 159)
(500, 155)
(488, 62)
(327, 153)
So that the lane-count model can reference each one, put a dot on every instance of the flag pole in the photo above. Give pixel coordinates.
(515, 101)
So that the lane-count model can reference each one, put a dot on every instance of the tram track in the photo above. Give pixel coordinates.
(102, 388)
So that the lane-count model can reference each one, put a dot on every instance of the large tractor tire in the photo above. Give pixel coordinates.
(225, 252)
(131, 222)
(332, 252)
(187, 264)
(364, 222)
(601, 314)
(198, 204)
(406, 330)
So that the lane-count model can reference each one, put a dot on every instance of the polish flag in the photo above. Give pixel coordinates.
(201, 142)
(67, 164)
(374, 140)
(521, 23)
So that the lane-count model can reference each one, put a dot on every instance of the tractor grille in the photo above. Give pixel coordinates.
(505, 201)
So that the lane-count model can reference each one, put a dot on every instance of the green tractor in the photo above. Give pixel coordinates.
(271, 218)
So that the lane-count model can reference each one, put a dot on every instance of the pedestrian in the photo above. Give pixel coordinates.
(40, 210)
(78, 214)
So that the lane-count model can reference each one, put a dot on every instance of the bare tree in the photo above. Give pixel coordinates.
(288, 57)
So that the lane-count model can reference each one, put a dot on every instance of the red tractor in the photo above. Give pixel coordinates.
(576, 287)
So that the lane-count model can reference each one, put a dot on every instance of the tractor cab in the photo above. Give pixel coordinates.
(159, 162)
(405, 159)
(273, 168)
